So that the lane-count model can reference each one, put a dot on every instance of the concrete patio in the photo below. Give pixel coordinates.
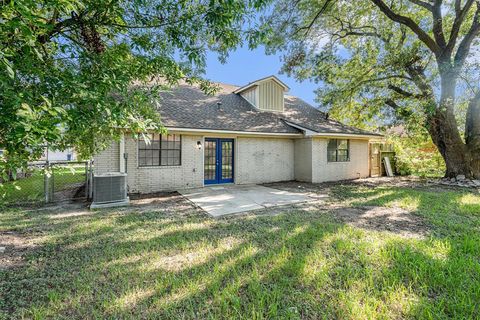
(228, 199)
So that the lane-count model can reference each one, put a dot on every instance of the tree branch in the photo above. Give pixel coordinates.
(420, 80)
(422, 35)
(58, 28)
(126, 26)
(317, 15)
(464, 46)
(392, 104)
(460, 15)
(424, 4)
(404, 92)
(357, 34)
(438, 24)
(346, 29)
(458, 6)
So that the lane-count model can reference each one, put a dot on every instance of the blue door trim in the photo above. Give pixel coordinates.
(218, 161)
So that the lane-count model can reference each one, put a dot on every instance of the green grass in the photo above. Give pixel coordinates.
(31, 189)
(296, 264)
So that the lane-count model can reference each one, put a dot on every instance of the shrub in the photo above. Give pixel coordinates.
(416, 155)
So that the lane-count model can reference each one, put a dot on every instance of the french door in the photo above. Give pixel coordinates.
(218, 162)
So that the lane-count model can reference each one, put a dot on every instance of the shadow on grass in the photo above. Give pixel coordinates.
(304, 264)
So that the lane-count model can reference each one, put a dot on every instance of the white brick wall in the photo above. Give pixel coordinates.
(108, 160)
(152, 179)
(303, 159)
(357, 167)
(261, 160)
(257, 160)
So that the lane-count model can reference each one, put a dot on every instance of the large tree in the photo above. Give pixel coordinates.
(401, 61)
(74, 71)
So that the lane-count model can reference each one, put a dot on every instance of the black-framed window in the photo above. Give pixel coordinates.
(161, 150)
(338, 150)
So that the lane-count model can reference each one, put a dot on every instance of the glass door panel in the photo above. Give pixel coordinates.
(218, 160)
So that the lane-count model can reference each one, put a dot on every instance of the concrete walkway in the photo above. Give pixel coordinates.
(223, 200)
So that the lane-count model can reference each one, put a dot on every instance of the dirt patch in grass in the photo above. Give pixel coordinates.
(13, 248)
(398, 182)
(171, 203)
(408, 182)
(70, 192)
(393, 219)
(396, 220)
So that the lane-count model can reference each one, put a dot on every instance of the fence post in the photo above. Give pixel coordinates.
(46, 182)
(86, 180)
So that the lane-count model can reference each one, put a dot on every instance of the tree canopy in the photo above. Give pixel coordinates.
(409, 62)
(74, 71)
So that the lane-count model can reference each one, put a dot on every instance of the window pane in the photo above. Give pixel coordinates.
(332, 145)
(163, 161)
(337, 150)
(331, 156)
(161, 150)
(343, 144)
(176, 154)
(342, 155)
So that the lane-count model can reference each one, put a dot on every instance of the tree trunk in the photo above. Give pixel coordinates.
(453, 151)
(443, 129)
(472, 134)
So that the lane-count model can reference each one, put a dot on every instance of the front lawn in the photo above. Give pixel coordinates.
(170, 261)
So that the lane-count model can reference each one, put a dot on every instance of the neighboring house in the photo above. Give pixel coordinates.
(250, 134)
(58, 155)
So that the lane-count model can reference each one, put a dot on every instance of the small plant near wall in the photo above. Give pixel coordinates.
(416, 155)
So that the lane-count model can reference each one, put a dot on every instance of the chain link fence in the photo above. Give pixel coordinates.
(45, 182)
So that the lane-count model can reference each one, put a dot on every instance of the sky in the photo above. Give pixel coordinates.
(244, 66)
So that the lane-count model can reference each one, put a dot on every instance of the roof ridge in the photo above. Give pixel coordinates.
(228, 84)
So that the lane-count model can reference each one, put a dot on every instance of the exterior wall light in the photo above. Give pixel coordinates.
(199, 145)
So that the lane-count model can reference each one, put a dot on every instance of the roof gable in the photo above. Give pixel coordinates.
(257, 82)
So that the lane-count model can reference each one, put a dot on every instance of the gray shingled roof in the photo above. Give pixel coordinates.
(188, 107)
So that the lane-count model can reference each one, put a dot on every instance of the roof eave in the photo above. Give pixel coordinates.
(313, 133)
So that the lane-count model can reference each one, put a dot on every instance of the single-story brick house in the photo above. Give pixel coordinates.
(251, 134)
